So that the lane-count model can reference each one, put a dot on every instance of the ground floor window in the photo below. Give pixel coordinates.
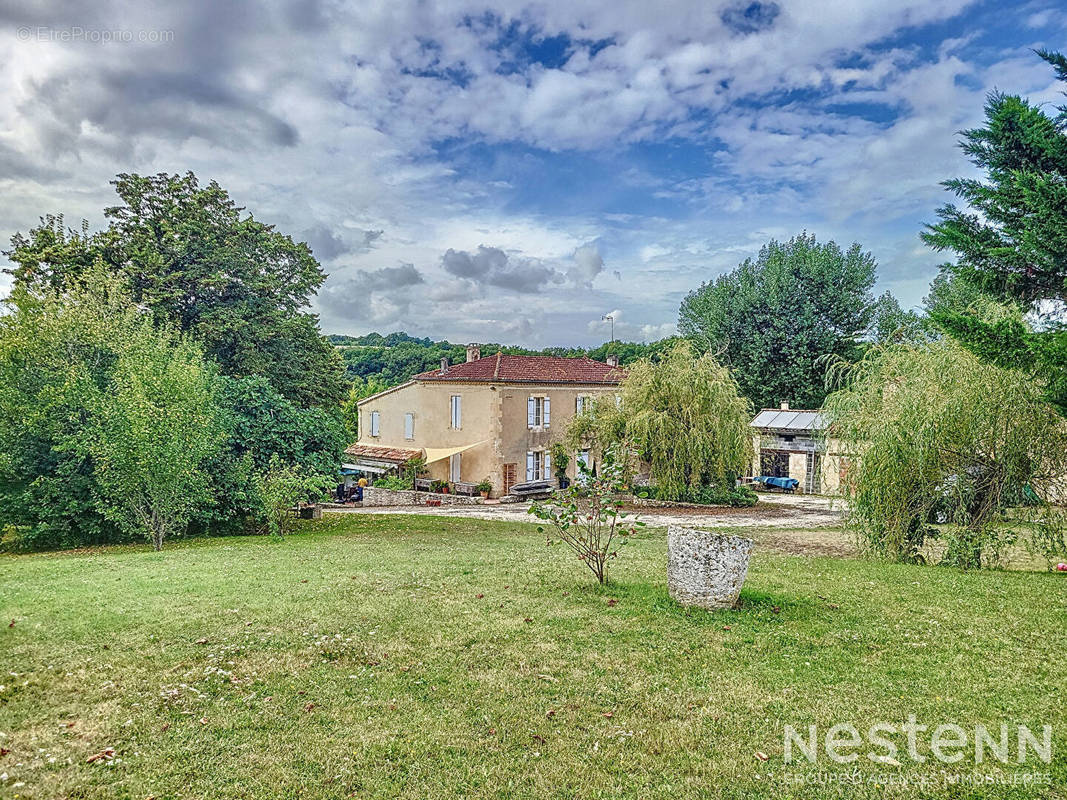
(538, 465)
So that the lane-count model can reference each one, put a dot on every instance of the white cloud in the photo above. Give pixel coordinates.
(338, 142)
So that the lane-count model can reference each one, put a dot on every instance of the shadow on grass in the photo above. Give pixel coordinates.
(641, 598)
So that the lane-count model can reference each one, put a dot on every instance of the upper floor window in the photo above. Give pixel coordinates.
(457, 412)
(375, 423)
(582, 402)
(538, 412)
(409, 426)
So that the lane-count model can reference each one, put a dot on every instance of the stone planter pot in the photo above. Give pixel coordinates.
(706, 569)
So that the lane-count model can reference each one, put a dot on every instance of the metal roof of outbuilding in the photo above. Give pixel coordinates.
(789, 420)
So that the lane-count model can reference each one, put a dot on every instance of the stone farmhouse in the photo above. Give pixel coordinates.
(492, 417)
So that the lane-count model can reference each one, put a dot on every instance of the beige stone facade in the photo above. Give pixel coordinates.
(500, 428)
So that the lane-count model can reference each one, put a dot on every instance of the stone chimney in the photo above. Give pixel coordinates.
(613, 359)
(473, 353)
(785, 405)
(444, 365)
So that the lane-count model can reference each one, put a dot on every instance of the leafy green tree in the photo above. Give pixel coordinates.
(1010, 240)
(263, 427)
(891, 323)
(57, 354)
(152, 432)
(931, 434)
(189, 255)
(779, 320)
(683, 417)
(88, 387)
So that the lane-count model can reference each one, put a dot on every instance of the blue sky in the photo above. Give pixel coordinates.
(517, 171)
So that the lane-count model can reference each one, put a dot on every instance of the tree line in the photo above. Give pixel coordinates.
(163, 374)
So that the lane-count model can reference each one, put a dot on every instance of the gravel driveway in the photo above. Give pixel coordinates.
(795, 512)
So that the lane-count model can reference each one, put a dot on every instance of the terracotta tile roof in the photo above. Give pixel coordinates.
(528, 369)
(397, 454)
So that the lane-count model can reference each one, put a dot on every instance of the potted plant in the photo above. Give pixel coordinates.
(484, 488)
(439, 486)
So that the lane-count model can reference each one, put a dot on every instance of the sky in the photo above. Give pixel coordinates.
(516, 172)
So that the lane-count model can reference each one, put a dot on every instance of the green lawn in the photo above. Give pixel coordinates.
(420, 657)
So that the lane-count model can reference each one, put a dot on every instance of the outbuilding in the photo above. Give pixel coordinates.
(792, 443)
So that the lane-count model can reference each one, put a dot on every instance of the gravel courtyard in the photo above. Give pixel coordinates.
(772, 511)
(795, 524)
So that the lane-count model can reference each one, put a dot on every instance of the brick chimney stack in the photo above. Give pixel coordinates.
(473, 353)
(613, 359)
(444, 365)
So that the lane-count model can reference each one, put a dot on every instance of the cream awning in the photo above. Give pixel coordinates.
(438, 453)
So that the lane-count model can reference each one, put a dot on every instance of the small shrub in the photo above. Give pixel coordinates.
(485, 487)
(281, 487)
(395, 483)
(588, 516)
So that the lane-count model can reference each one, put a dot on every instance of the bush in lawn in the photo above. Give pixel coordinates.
(933, 435)
(281, 487)
(588, 516)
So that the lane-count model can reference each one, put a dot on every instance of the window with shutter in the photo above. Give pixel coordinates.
(457, 412)
(538, 410)
(409, 426)
(375, 423)
(538, 464)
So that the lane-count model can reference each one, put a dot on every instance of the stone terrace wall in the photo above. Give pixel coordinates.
(376, 496)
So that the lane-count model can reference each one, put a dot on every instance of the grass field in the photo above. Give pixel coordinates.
(419, 657)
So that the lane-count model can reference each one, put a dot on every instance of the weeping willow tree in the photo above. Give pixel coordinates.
(683, 417)
(932, 435)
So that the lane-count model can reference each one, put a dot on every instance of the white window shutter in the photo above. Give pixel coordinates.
(548, 465)
(374, 423)
(529, 466)
(409, 426)
(547, 414)
(531, 412)
(579, 404)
